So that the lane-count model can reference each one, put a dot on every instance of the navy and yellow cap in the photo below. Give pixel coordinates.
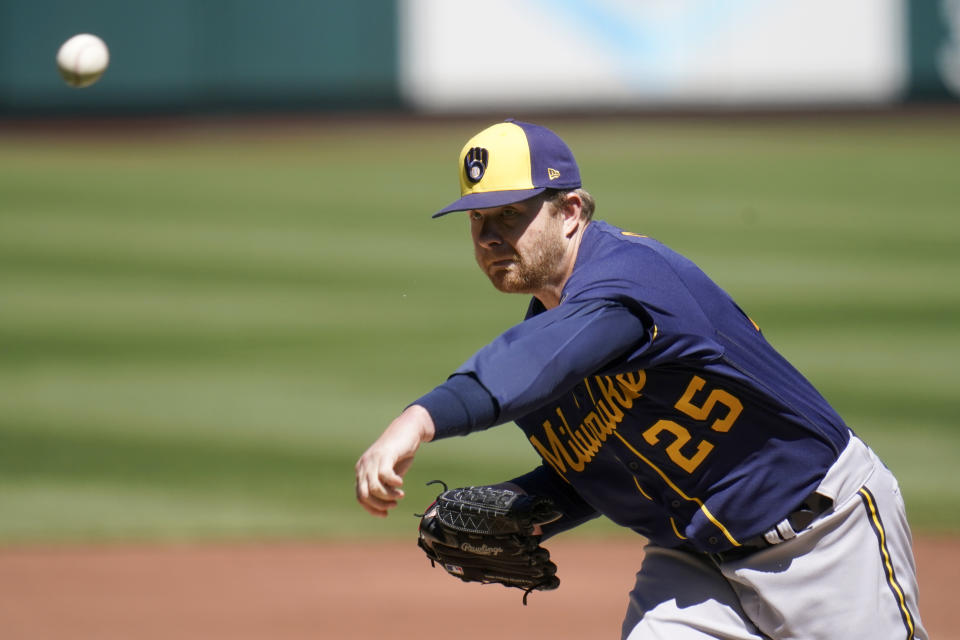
(509, 162)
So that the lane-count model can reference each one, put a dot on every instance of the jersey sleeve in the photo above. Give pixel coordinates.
(544, 481)
(534, 362)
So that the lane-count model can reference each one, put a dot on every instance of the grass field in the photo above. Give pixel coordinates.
(201, 329)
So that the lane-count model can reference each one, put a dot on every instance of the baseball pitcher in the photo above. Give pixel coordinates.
(654, 400)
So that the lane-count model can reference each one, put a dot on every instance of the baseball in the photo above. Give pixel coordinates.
(82, 59)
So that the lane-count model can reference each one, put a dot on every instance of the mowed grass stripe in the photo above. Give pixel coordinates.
(199, 335)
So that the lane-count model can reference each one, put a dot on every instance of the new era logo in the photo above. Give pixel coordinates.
(553, 174)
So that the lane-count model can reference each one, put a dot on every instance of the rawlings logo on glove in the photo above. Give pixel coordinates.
(486, 535)
(482, 550)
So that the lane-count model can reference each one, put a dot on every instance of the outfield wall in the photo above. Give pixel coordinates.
(443, 56)
(203, 54)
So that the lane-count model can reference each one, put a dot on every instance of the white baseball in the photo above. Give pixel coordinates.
(82, 59)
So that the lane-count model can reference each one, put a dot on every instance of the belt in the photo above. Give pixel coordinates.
(795, 522)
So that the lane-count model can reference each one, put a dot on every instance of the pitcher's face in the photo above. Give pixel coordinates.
(519, 246)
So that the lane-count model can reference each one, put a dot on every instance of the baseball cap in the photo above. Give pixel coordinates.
(509, 162)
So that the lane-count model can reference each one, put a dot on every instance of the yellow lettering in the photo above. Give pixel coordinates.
(609, 414)
(590, 445)
(610, 418)
(633, 383)
(551, 456)
(604, 420)
(608, 389)
(557, 455)
(572, 442)
(593, 425)
(573, 448)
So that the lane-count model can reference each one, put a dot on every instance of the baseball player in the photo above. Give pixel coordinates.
(655, 401)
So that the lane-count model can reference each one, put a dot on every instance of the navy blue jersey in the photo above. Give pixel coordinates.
(652, 399)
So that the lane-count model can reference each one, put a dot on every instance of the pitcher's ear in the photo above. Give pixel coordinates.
(571, 208)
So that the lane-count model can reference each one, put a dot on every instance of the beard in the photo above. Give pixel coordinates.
(530, 271)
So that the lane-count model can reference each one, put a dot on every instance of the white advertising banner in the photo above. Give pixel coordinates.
(563, 54)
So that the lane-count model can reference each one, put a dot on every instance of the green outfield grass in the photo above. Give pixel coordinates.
(200, 331)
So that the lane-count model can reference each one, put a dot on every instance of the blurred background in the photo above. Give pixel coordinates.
(219, 279)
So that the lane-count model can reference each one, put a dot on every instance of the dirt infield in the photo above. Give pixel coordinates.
(316, 591)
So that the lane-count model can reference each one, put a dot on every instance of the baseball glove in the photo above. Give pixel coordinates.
(485, 534)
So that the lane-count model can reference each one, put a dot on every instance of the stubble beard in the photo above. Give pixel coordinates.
(532, 272)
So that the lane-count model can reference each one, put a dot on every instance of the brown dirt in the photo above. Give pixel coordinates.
(299, 591)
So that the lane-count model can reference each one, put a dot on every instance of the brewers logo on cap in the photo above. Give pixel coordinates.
(475, 163)
(526, 160)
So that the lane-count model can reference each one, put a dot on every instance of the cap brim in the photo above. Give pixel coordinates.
(489, 199)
